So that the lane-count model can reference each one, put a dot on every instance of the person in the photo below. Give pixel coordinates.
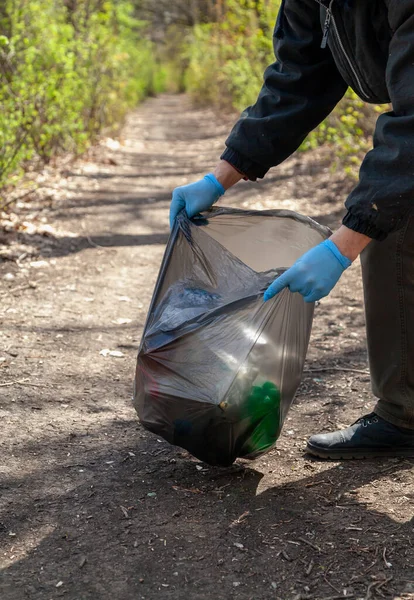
(322, 47)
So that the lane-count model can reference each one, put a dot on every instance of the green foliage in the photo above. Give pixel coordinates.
(225, 61)
(348, 129)
(67, 74)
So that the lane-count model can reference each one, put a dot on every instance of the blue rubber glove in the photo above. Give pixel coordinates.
(195, 197)
(314, 275)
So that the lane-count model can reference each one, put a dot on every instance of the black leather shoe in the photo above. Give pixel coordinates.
(369, 437)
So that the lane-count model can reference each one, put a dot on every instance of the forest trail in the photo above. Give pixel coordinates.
(92, 507)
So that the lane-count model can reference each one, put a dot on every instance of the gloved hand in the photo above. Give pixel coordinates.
(195, 197)
(314, 275)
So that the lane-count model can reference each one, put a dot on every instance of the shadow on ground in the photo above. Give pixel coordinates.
(143, 520)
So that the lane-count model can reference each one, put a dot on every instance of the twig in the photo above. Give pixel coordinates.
(240, 519)
(20, 288)
(335, 589)
(22, 196)
(286, 556)
(21, 382)
(384, 556)
(9, 383)
(371, 585)
(17, 199)
(310, 544)
(382, 583)
(359, 577)
(321, 369)
(313, 483)
(377, 585)
(388, 469)
(39, 385)
(95, 245)
(341, 597)
(11, 159)
(309, 568)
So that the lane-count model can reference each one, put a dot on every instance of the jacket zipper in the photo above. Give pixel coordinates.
(348, 58)
(329, 21)
(327, 25)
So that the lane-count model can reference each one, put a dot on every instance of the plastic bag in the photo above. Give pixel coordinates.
(218, 367)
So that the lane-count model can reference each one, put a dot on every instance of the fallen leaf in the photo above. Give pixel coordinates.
(39, 264)
(191, 490)
(111, 144)
(121, 321)
(114, 353)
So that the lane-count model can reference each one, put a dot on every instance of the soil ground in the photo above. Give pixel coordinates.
(95, 508)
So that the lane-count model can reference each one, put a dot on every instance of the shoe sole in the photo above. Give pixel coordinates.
(353, 454)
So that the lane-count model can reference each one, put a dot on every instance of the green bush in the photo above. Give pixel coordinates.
(67, 74)
(226, 60)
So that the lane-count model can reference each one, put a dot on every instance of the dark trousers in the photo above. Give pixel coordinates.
(388, 276)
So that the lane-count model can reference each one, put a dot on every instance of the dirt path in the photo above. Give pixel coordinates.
(94, 508)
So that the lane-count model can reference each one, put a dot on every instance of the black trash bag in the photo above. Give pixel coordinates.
(218, 367)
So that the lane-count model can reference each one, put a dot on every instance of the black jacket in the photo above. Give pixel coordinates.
(370, 47)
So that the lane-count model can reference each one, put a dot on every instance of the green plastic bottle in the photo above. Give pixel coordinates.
(263, 411)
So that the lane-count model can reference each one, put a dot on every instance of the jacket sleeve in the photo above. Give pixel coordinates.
(384, 195)
(300, 89)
